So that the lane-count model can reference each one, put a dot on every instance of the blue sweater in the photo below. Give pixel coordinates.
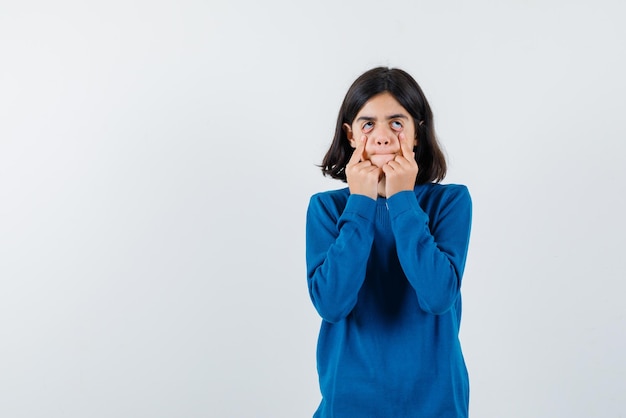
(385, 276)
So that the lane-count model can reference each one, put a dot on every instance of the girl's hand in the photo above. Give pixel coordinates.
(401, 172)
(362, 175)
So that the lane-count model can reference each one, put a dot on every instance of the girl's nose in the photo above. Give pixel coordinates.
(382, 139)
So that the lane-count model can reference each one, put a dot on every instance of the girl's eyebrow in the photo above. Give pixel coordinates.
(394, 116)
(398, 116)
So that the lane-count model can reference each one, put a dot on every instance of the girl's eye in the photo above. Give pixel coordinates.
(367, 126)
(396, 125)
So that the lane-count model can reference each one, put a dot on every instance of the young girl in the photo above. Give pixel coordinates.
(385, 257)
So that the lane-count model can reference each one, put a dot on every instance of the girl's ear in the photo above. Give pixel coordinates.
(348, 130)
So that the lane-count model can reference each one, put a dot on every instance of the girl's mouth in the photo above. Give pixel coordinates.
(381, 159)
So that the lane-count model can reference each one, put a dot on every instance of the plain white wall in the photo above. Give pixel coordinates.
(156, 160)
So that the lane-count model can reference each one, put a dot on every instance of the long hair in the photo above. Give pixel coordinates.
(428, 155)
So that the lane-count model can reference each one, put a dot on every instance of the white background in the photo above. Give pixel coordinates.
(156, 160)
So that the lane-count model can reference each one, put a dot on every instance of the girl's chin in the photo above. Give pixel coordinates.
(380, 160)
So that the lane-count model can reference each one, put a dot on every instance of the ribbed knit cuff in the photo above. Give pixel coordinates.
(362, 206)
(402, 202)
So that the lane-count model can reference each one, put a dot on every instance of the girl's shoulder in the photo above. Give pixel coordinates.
(434, 197)
(440, 190)
(336, 198)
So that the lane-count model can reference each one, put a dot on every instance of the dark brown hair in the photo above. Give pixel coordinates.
(430, 159)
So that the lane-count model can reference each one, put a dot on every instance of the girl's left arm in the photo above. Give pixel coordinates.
(432, 252)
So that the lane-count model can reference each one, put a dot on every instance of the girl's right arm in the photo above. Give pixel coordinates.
(338, 245)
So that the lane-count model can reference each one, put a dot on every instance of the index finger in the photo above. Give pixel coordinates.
(357, 155)
(406, 145)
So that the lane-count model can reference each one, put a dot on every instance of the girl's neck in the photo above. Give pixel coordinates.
(382, 187)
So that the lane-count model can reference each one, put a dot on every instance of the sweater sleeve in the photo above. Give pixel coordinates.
(338, 246)
(432, 252)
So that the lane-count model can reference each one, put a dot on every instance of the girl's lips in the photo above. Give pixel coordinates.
(381, 159)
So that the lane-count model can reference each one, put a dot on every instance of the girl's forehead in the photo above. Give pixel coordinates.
(382, 102)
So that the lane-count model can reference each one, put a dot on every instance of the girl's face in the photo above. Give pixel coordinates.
(381, 120)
